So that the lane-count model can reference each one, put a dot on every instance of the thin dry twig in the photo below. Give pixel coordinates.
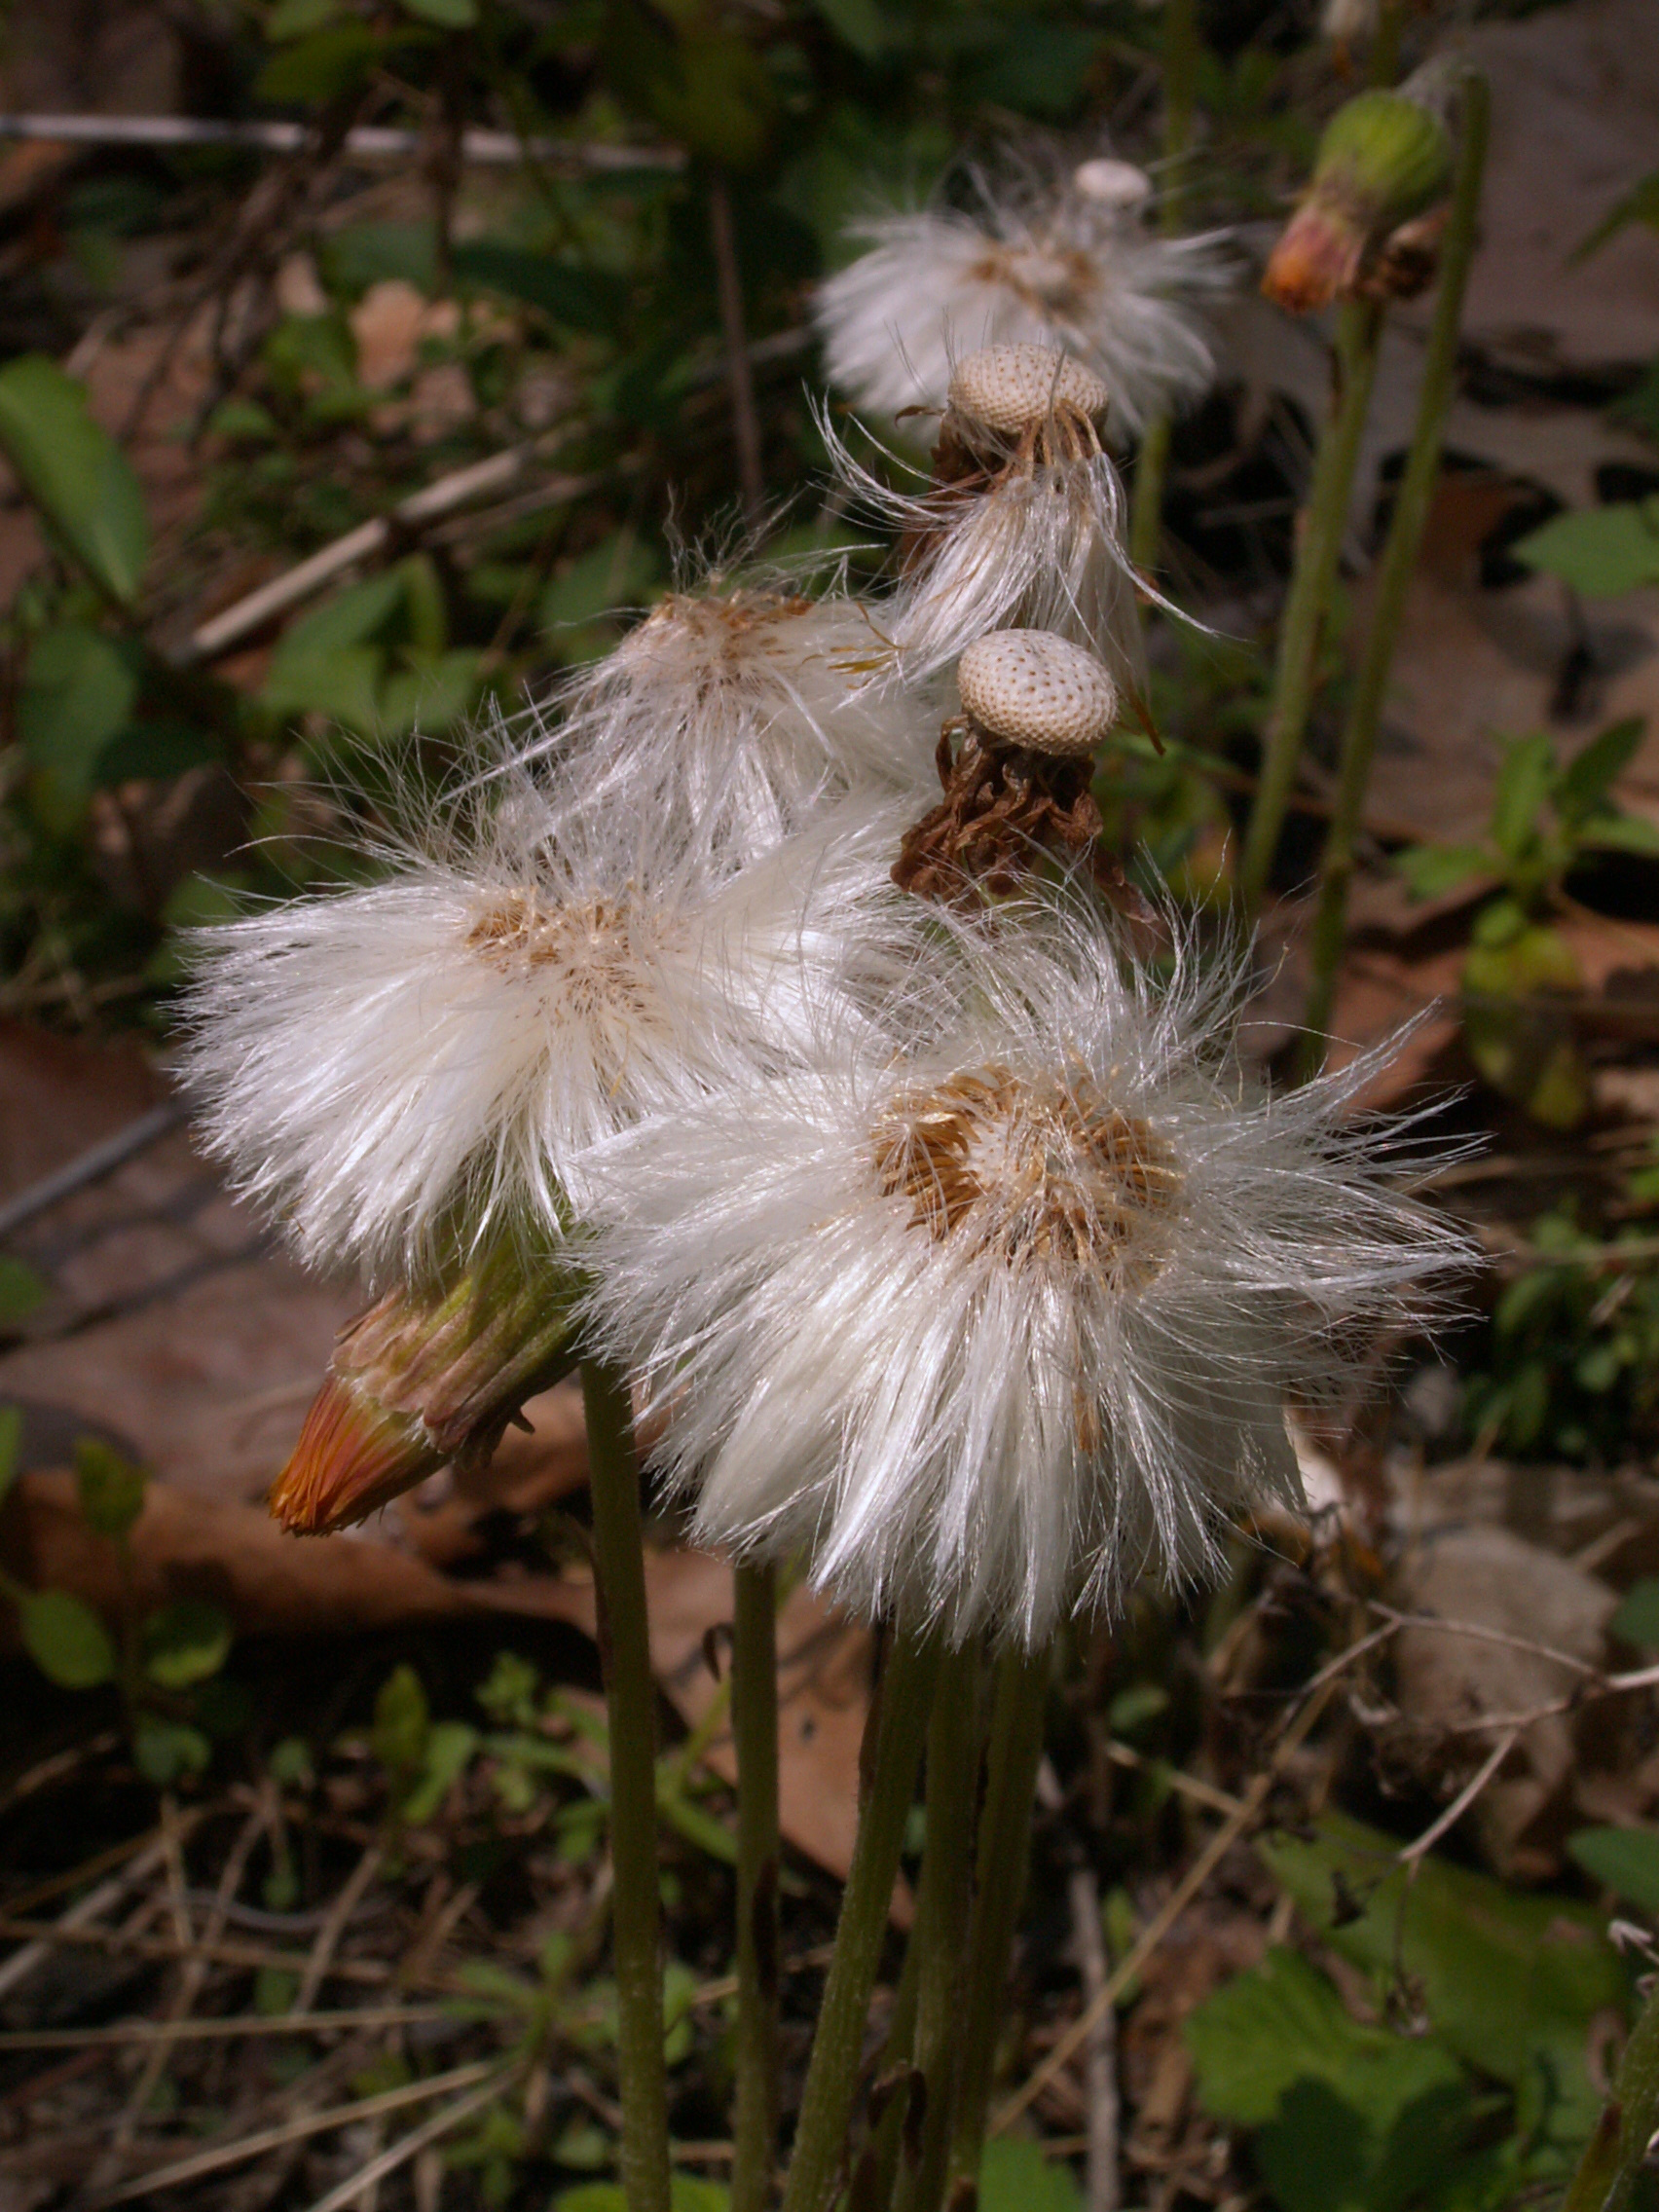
(217, 2157)
(1150, 1938)
(237, 2024)
(407, 2146)
(328, 1936)
(41, 1936)
(1104, 2192)
(365, 142)
(1414, 1853)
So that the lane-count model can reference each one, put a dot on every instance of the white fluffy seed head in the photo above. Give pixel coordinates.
(1112, 184)
(1033, 688)
(1013, 389)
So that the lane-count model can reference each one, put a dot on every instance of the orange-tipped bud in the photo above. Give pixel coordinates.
(1383, 161)
(423, 1377)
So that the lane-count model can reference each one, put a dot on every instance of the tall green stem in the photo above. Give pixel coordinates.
(754, 1729)
(941, 1934)
(1616, 2152)
(1394, 575)
(1180, 96)
(900, 1724)
(1318, 549)
(1014, 1751)
(630, 1697)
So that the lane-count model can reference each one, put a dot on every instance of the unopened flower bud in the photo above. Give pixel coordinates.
(421, 1379)
(1033, 688)
(1385, 159)
(1111, 183)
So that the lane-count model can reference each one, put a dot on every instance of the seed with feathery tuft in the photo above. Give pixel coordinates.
(1032, 1172)
(1010, 389)
(1033, 688)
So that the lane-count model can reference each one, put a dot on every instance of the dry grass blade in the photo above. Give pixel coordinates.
(222, 2155)
(1198, 1874)
(317, 1965)
(39, 1937)
(408, 2145)
(120, 2033)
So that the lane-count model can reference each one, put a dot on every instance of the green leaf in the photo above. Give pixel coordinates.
(1636, 1620)
(1588, 777)
(1042, 68)
(860, 24)
(450, 1746)
(431, 693)
(22, 1291)
(362, 254)
(1598, 550)
(1282, 2026)
(1620, 834)
(78, 693)
(152, 752)
(687, 2193)
(1524, 784)
(1641, 204)
(75, 473)
(450, 15)
(1431, 871)
(617, 574)
(185, 1643)
(319, 66)
(403, 1723)
(1625, 1861)
(1511, 1982)
(65, 1639)
(292, 19)
(580, 298)
(111, 1488)
(11, 1444)
(1015, 2177)
(165, 1749)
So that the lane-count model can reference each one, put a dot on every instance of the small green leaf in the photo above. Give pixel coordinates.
(1015, 2177)
(185, 1643)
(1624, 1860)
(65, 1639)
(1588, 777)
(1641, 204)
(292, 19)
(450, 1746)
(165, 1749)
(1524, 784)
(450, 15)
(154, 753)
(78, 693)
(111, 1488)
(22, 1291)
(1431, 871)
(687, 2193)
(403, 1723)
(320, 64)
(289, 1764)
(860, 24)
(1621, 833)
(75, 473)
(581, 299)
(1636, 1620)
(1598, 550)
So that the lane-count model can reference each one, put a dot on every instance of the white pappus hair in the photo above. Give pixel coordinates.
(988, 1332)
(401, 1072)
(736, 712)
(1040, 547)
(1032, 263)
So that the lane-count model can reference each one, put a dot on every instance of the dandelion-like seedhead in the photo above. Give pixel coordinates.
(733, 713)
(989, 1330)
(403, 1072)
(1052, 262)
(1032, 539)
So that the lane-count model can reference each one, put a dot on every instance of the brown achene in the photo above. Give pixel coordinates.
(1050, 1172)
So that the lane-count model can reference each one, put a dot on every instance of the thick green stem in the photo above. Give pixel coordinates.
(874, 2184)
(1312, 579)
(1014, 1751)
(831, 2079)
(754, 1729)
(1616, 2152)
(941, 1934)
(1394, 575)
(630, 1696)
(1180, 97)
